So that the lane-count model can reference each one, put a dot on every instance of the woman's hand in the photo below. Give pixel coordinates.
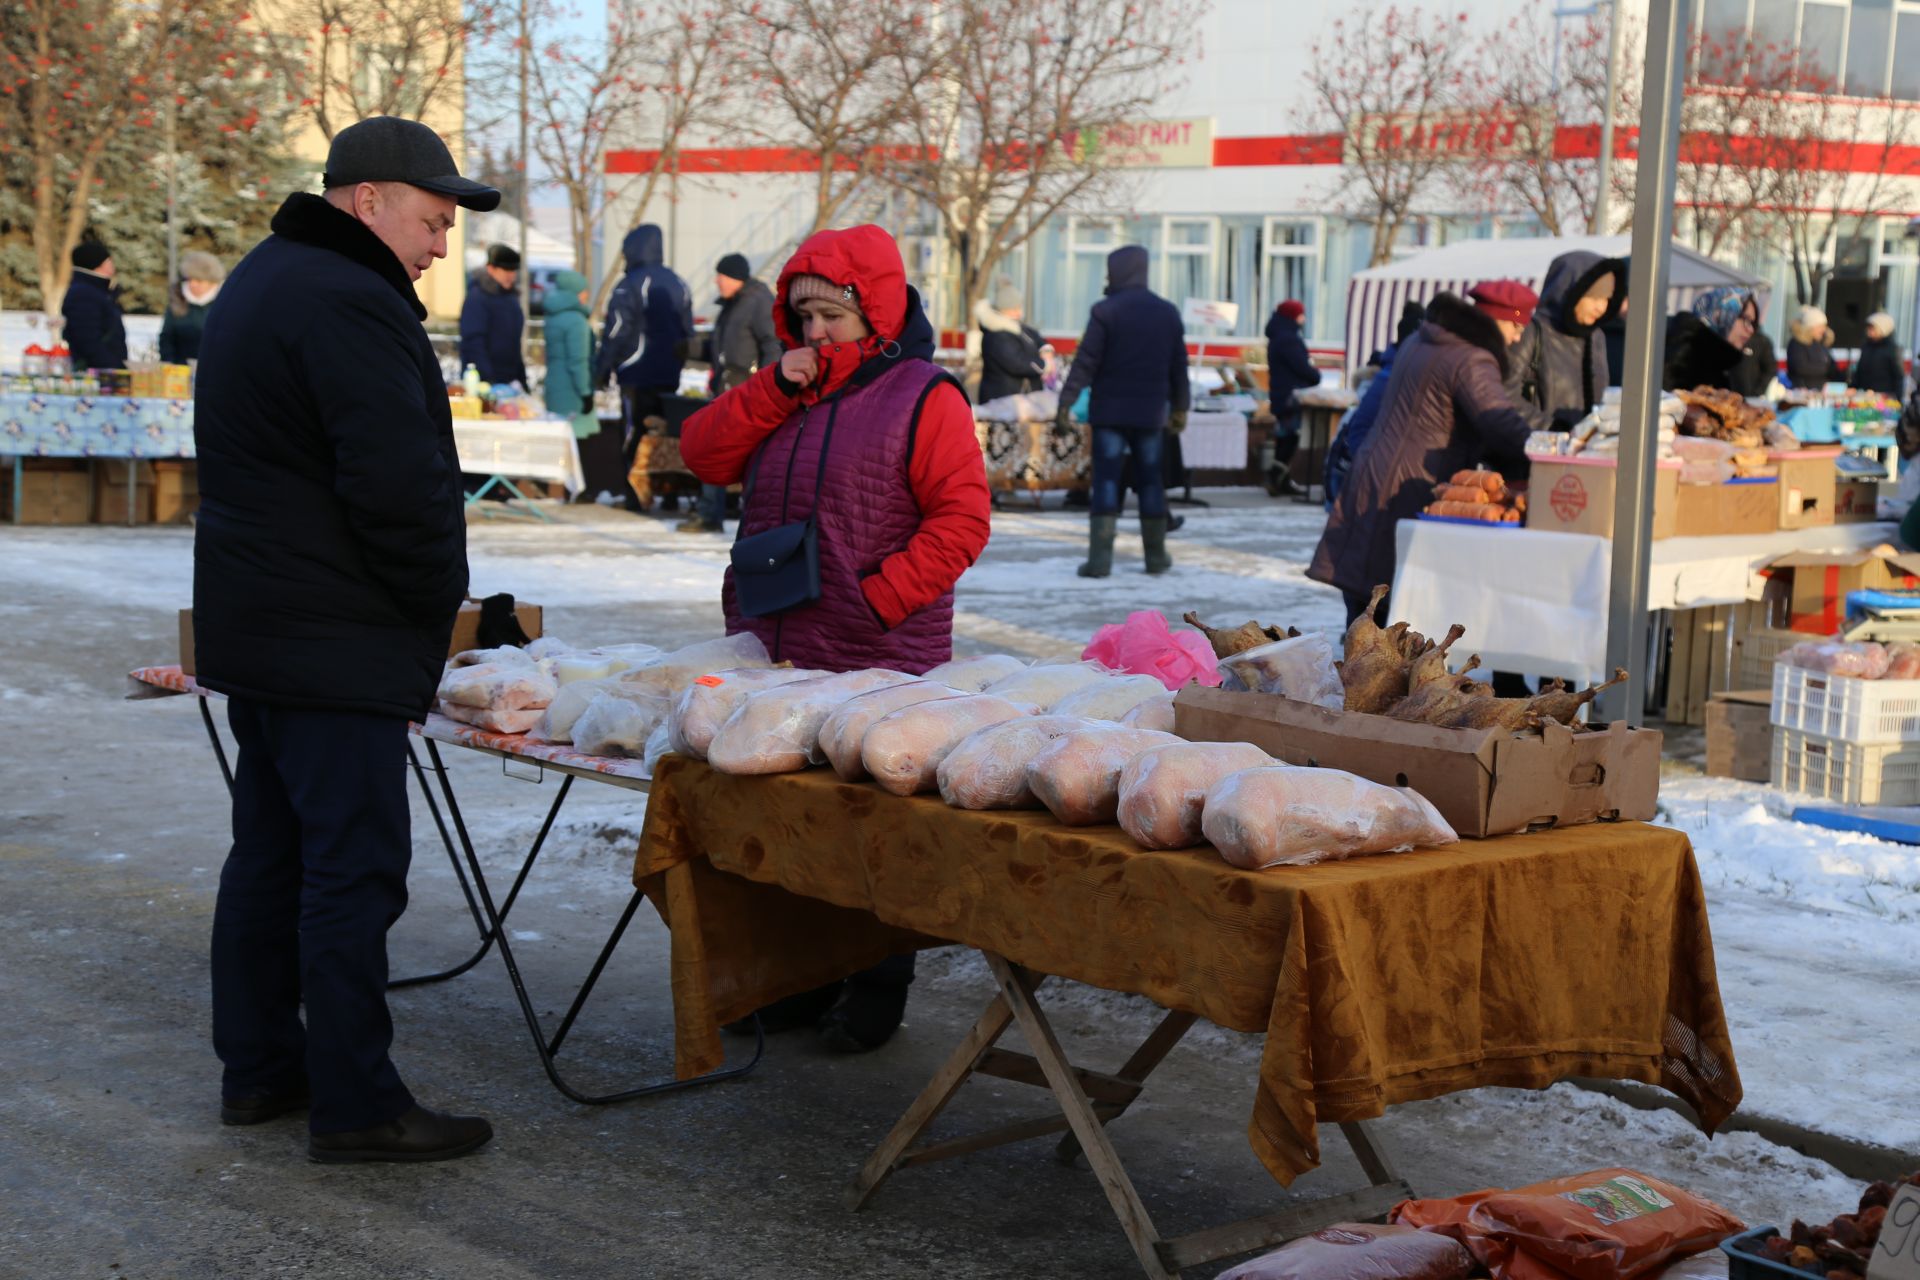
(800, 366)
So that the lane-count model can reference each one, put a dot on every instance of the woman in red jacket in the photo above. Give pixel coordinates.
(856, 430)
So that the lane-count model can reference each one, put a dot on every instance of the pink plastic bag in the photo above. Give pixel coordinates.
(1145, 645)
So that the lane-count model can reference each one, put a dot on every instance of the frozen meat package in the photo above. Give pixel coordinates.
(1078, 776)
(1285, 816)
(844, 732)
(1162, 789)
(988, 770)
(903, 750)
(778, 730)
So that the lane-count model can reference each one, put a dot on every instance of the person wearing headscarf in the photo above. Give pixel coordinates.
(1705, 343)
(1558, 370)
(1810, 362)
(201, 275)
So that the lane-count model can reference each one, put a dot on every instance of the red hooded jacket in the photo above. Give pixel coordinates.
(947, 475)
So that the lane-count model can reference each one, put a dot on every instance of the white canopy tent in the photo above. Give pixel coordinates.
(1375, 296)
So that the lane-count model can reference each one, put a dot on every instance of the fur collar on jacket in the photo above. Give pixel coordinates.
(992, 320)
(1469, 324)
(311, 220)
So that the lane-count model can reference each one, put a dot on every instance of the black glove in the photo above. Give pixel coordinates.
(1177, 421)
(1063, 420)
(1567, 419)
(681, 349)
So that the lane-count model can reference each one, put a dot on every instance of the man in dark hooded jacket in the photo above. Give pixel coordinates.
(645, 343)
(1133, 356)
(1290, 370)
(95, 333)
(491, 320)
(742, 343)
(1557, 372)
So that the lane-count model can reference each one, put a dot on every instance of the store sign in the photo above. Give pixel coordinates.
(1198, 313)
(1896, 1256)
(1149, 144)
(1499, 134)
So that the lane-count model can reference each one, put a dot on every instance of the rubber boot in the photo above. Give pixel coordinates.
(1153, 536)
(1280, 482)
(1100, 534)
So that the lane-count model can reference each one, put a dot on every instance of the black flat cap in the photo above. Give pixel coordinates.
(390, 149)
(504, 257)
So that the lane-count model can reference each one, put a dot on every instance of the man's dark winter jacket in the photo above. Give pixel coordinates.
(1010, 362)
(95, 334)
(1759, 365)
(1134, 352)
(1289, 369)
(1557, 372)
(743, 338)
(1697, 356)
(331, 552)
(1878, 368)
(490, 325)
(1446, 409)
(649, 318)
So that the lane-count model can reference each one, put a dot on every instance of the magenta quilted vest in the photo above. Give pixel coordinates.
(867, 513)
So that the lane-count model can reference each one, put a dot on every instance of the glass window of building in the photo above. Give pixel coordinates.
(1823, 31)
(1089, 241)
(1869, 41)
(1906, 56)
(1293, 267)
(1186, 267)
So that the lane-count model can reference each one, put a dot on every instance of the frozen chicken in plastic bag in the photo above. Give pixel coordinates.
(844, 732)
(680, 668)
(988, 769)
(507, 655)
(1043, 687)
(705, 705)
(503, 688)
(971, 675)
(1162, 790)
(1300, 668)
(1111, 698)
(659, 743)
(1078, 776)
(616, 726)
(496, 721)
(778, 730)
(557, 725)
(1155, 713)
(1283, 816)
(903, 750)
(570, 667)
(544, 647)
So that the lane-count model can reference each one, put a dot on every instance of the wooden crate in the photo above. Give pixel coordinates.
(1713, 650)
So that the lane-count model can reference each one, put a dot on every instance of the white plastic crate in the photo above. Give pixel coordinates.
(1849, 772)
(1846, 707)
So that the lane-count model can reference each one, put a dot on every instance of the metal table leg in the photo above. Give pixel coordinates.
(545, 1048)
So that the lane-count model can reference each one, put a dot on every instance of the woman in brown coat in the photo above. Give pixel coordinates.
(1445, 410)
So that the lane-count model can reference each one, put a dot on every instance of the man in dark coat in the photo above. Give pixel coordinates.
(1557, 372)
(1705, 344)
(1759, 366)
(95, 332)
(1133, 356)
(1290, 370)
(1445, 409)
(329, 561)
(649, 332)
(1878, 368)
(1010, 360)
(743, 342)
(491, 321)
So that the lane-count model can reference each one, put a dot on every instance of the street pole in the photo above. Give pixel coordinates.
(173, 191)
(526, 174)
(1603, 198)
(1668, 22)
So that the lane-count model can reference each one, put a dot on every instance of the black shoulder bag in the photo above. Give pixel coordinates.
(779, 569)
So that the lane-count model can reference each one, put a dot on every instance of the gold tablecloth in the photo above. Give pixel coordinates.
(1516, 961)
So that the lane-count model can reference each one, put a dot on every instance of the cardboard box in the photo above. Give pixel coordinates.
(1575, 495)
(1856, 501)
(186, 642)
(176, 491)
(1740, 735)
(1822, 580)
(466, 625)
(110, 491)
(1807, 480)
(52, 491)
(1736, 507)
(1483, 782)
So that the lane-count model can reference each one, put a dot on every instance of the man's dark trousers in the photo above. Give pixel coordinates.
(316, 877)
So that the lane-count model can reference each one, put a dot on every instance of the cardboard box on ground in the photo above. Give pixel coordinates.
(1821, 582)
(1740, 734)
(466, 630)
(166, 490)
(52, 491)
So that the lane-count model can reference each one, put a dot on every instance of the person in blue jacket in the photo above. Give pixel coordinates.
(491, 321)
(1134, 358)
(1290, 370)
(648, 332)
(1353, 433)
(95, 333)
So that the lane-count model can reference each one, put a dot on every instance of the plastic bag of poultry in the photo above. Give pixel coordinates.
(490, 719)
(1361, 1251)
(988, 769)
(1283, 816)
(971, 675)
(1109, 699)
(673, 673)
(778, 730)
(569, 667)
(1145, 645)
(509, 688)
(1903, 661)
(558, 723)
(1155, 713)
(705, 705)
(843, 732)
(507, 655)
(541, 648)
(659, 743)
(1078, 776)
(903, 750)
(1300, 668)
(616, 726)
(1162, 789)
(1042, 687)
(1868, 661)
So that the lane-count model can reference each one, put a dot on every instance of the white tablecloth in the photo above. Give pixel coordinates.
(1536, 602)
(1215, 441)
(523, 449)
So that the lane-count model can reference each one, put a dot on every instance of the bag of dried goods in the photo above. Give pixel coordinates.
(1282, 816)
(616, 726)
(673, 673)
(503, 688)
(1162, 790)
(1155, 713)
(778, 730)
(490, 719)
(903, 749)
(700, 710)
(1078, 776)
(988, 769)
(1361, 1251)
(1300, 668)
(1111, 698)
(971, 675)
(844, 732)
(1042, 687)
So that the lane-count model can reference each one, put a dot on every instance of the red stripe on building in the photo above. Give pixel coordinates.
(1286, 149)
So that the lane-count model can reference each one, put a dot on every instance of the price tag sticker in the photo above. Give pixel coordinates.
(711, 682)
(1897, 1255)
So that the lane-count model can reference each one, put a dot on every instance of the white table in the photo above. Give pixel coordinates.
(1215, 441)
(521, 449)
(1536, 602)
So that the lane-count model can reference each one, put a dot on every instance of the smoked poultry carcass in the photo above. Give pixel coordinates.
(1437, 699)
(1432, 665)
(1248, 635)
(1513, 714)
(1374, 669)
(1563, 705)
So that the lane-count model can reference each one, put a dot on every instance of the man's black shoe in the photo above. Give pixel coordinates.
(865, 1020)
(258, 1108)
(789, 1014)
(416, 1136)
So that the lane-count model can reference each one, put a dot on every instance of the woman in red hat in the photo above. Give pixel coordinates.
(1445, 410)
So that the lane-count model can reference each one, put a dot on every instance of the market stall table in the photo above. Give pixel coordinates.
(1376, 981)
(1321, 409)
(1535, 601)
(508, 449)
(489, 918)
(1036, 455)
(144, 428)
